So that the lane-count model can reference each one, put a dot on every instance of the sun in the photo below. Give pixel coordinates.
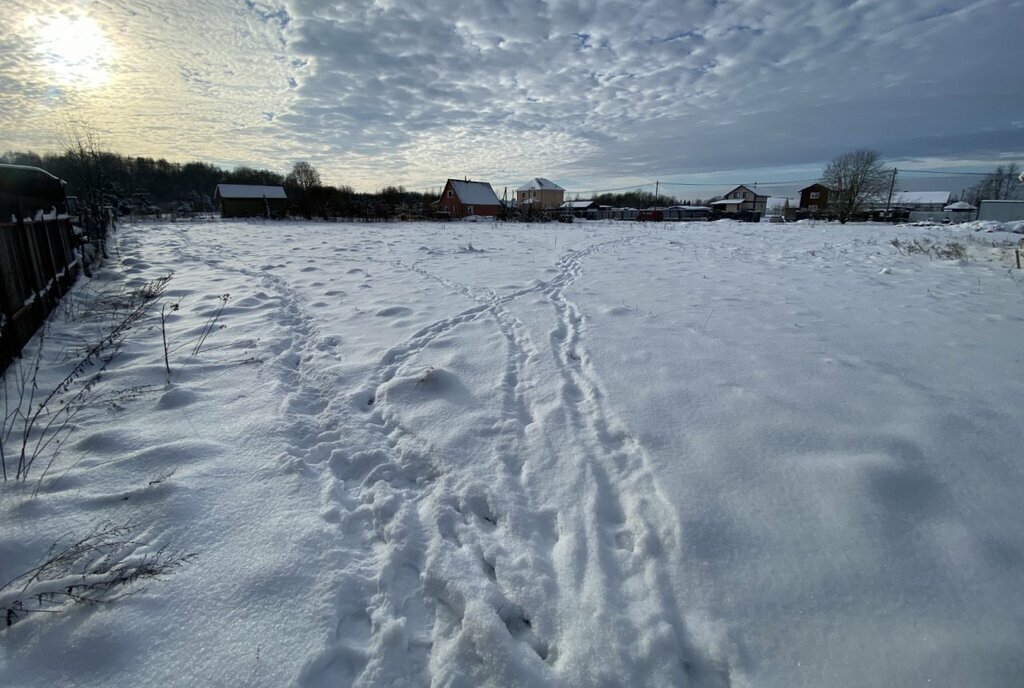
(73, 48)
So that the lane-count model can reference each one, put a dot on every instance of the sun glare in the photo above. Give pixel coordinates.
(74, 49)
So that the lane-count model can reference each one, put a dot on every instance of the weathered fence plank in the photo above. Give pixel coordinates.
(39, 262)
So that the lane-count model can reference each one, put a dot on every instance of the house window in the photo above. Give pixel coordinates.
(813, 206)
(815, 195)
(451, 194)
(469, 209)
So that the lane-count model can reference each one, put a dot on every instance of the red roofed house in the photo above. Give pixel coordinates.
(461, 198)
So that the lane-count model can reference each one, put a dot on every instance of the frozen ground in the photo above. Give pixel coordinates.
(573, 455)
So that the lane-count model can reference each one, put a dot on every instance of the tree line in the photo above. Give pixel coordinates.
(141, 185)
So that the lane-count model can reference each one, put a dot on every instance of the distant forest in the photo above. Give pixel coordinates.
(146, 186)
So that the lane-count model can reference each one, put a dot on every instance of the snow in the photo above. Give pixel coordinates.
(701, 454)
(920, 198)
(250, 191)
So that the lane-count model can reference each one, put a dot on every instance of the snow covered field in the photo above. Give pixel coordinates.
(600, 454)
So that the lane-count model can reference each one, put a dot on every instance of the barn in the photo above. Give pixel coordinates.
(251, 200)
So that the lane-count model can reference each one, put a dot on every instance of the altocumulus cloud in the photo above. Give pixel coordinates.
(382, 91)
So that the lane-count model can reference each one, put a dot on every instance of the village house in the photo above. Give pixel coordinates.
(540, 194)
(461, 198)
(251, 200)
(742, 200)
(814, 199)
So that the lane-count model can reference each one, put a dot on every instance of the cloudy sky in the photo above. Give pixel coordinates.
(591, 93)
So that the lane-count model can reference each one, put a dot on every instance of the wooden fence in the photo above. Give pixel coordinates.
(38, 264)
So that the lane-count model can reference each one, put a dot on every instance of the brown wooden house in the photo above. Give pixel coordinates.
(462, 198)
(814, 199)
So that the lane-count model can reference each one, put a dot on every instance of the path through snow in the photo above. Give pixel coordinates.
(404, 462)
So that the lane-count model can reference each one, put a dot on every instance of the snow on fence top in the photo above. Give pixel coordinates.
(249, 191)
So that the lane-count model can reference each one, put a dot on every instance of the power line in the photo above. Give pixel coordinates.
(947, 174)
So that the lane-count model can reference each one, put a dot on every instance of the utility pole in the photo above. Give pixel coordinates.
(657, 186)
(892, 184)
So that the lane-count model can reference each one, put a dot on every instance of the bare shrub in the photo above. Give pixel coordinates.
(37, 423)
(98, 568)
(948, 251)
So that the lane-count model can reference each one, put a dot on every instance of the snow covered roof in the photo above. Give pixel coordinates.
(539, 184)
(474, 193)
(920, 197)
(729, 201)
(960, 205)
(581, 205)
(743, 188)
(250, 191)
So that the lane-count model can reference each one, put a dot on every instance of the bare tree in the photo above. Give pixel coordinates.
(303, 177)
(82, 148)
(303, 184)
(1004, 183)
(854, 179)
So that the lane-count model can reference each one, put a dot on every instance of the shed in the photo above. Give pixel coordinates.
(251, 200)
(687, 212)
(918, 200)
(581, 209)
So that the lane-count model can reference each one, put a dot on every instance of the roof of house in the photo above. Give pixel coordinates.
(474, 193)
(747, 188)
(250, 191)
(960, 205)
(815, 185)
(729, 201)
(540, 183)
(577, 204)
(922, 197)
